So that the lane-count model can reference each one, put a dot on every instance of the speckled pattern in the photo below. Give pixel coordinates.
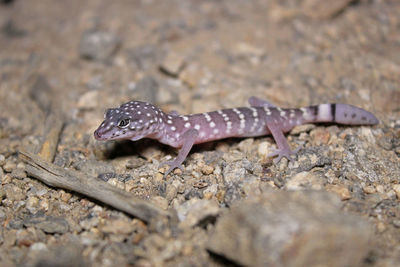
(136, 120)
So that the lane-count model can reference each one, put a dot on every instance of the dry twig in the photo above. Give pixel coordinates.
(56, 176)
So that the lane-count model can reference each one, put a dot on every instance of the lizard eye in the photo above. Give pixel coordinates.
(124, 123)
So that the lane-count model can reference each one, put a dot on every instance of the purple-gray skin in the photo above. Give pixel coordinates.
(136, 120)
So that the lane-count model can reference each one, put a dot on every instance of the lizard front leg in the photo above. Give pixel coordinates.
(189, 137)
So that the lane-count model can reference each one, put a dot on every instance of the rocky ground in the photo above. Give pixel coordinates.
(62, 63)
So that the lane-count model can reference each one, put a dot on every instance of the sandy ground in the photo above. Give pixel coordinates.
(62, 63)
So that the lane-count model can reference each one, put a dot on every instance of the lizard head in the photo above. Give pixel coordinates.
(133, 120)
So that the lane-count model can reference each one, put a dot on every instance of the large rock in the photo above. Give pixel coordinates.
(303, 228)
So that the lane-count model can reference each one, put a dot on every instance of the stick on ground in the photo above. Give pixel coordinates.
(56, 176)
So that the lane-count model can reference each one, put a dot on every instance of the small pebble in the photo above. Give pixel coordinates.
(88, 100)
(303, 180)
(9, 166)
(130, 185)
(89, 223)
(21, 165)
(396, 223)
(18, 174)
(320, 136)
(2, 194)
(342, 191)
(381, 227)
(2, 160)
(65, 197)
(391, 194)
(2, 214)
(194, 74)
(380, 189)
(369, 189)
(302, 129)
(160, 202)
(41, 192)
(32, 204)
(44, 204)
(396, 188)
(206, 169)
(6, 179)
(118, 227)
(98, 45)
(173, 63)
(263, 150)
(117, 183)
(39, 246)
(207, 195)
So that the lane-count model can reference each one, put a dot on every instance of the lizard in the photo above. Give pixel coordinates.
(135, 120)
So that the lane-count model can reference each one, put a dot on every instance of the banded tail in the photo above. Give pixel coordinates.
(342, 114)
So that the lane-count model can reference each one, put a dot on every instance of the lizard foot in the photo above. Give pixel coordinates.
(172, 165)
(287, 153)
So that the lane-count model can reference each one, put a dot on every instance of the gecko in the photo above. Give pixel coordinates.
(135, 120)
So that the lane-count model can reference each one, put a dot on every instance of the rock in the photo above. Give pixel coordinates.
(65, 196)
(248, 51)
(320, 136)
(194, 75)
(131, 185)
(340, 190)
(89, 223)
(98, 45)
(318, 9)
(205, 169)
(9, 166)
(160, 201)
(302, 129)
(69, 254)
(48, 224)
(88, 100)
(16, 224)
(295, 228)
(32, 204)
(18, 174)
(197, 212)
(172, 190)
(95, 83)
(93, 167)
(396, 188)
(41, 93)
(3, 193)
(369, 189)
(3, 215)
(210, 191)
(41, 192)
(305, 180)
(107, 176)
(2, 160)
(118, 227)
(14, 193)
(38, 246)
(1, 174)
(147, 89)
(143, 57)
(173, 63)
(245, 145)
(26, 237)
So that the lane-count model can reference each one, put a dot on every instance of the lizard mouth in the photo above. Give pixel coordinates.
(97, 135)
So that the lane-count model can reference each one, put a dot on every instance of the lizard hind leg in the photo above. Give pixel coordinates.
(258, 102)
(280, 153)
(283, 149)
